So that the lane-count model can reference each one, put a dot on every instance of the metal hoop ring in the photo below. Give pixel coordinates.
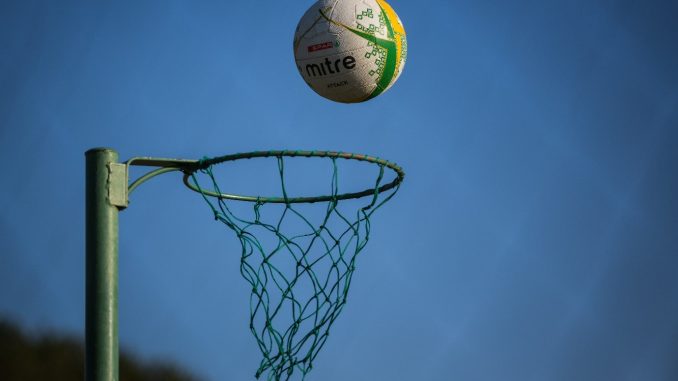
(400, 176)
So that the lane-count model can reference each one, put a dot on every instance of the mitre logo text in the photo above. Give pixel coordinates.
(328, 67)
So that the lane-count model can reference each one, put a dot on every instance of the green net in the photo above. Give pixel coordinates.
(298, 263)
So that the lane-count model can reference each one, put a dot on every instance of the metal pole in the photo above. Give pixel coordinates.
(101, 266)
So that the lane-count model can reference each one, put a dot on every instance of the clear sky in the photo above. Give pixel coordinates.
(535, 237)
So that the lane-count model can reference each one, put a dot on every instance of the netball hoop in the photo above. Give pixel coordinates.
(298, 251)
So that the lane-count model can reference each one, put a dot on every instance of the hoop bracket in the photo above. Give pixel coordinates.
(162, 165)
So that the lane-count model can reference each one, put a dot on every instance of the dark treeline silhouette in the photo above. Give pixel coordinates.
(51, 356)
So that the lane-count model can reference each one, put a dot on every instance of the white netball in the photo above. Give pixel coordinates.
(350, 51)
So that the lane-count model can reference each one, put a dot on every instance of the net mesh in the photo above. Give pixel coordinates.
(299, 265)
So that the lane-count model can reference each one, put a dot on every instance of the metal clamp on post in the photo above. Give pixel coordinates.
(117, 185)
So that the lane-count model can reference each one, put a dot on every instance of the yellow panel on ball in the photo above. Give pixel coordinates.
(350, 51)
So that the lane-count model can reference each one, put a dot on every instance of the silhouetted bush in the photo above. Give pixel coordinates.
(60, 357)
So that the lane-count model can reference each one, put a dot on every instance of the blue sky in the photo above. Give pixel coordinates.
(535, 237)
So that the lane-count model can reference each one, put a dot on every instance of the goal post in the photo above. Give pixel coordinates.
(101, 267)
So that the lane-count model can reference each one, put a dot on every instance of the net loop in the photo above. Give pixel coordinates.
(299, 265)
